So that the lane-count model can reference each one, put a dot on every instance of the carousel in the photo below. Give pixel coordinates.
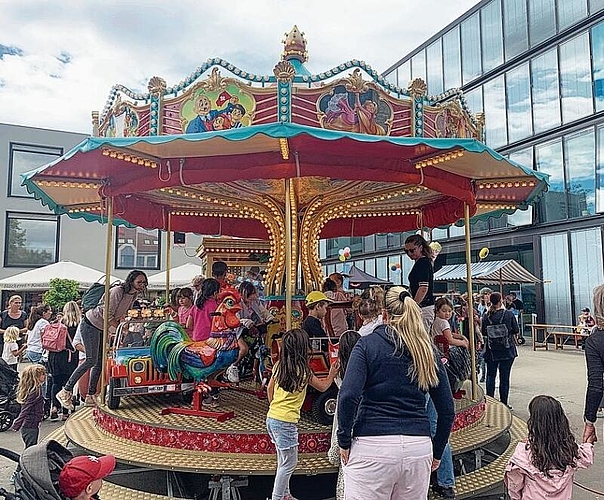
(286, 158)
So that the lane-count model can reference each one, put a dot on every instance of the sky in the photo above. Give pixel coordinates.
(59, 59)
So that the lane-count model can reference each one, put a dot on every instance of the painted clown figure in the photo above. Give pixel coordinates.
(204, 121)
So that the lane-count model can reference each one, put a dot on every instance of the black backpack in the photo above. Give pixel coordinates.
(498, 336)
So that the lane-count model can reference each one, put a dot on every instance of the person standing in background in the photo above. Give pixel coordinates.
(421, 276)
(13, 315)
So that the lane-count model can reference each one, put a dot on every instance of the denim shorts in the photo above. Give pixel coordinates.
(284, 435)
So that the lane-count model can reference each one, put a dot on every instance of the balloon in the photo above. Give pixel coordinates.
(347, 255)
(393, 268)
(484, 252)
(342, 258)
(340, 252)
(397, 265)
(346, 249)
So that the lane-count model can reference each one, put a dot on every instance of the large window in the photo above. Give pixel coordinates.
(580, 169)
(571, 11)
(474, 100)
(546, 94)
(451, 59)
(556, 280)
(523, 157)
(470, 48)
(542, 20)
(26, 157)
(587, 272)
(418, 66)
(404, 74)
(519, 103)
(492, 35)
(434, 61)
(514, 27)
(137, 248)
(597, 47)
(31, 240)
(494, 108)
(600, 171)
(596, 5)
(548, 158)
(575, 78)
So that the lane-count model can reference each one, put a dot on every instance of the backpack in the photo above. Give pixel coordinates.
(92, 296)
(54, 337)
(498, 337)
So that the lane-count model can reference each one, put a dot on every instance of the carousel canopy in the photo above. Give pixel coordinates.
(488, 273)
(219, 182)
(39, 278)
(179, 276)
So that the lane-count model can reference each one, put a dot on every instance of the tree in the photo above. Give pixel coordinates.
(17, 251)
(60, 292)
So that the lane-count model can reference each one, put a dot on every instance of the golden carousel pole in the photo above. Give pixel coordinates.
(168, 256)
(470, 300)
(288, 255)
(105, 339)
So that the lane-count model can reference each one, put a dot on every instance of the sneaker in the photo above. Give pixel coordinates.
(54, 415)
(91, 400)
(232, 374)
(64, 417)
(443, 491)
(211, 402)
(75, 400)
(64, 398)
(600, 413)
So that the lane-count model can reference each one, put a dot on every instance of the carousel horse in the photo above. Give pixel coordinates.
(173, 351)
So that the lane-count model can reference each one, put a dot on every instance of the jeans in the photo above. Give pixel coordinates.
(505, 368)
(445, 475)
(92, 338)
(285, 437)
(58, 380)
(393, 467)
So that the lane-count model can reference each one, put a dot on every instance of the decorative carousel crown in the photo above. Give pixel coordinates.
(295, 46)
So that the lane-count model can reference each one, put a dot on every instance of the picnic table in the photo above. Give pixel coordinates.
(561, 333)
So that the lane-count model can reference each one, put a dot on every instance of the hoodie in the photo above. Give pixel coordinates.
(524, 481)
(378, 398)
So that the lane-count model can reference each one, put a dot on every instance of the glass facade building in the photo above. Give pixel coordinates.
(536, 70)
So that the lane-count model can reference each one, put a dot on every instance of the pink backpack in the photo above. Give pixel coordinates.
(54, 337)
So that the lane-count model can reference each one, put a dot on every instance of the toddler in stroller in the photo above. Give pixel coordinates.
(9, 408)
(48, 471)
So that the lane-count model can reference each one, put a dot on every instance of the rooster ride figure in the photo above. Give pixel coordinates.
(173, 351)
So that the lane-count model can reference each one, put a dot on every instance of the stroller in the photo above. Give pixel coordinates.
(9, 408)
(37, 475)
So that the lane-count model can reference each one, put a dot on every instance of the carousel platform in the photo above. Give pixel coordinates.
(139, 436)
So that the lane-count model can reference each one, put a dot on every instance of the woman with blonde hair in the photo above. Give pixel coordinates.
(63, 363)
(14, 315)
(594, 357)
(382, 403)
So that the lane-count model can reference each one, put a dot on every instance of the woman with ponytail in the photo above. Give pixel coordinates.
(382, 403)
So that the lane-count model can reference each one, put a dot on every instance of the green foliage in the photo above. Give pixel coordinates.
(60, 292)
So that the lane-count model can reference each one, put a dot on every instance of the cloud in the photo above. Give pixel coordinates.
(62, 59)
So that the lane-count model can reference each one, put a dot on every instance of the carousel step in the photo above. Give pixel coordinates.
(80, 429)
(495, 422)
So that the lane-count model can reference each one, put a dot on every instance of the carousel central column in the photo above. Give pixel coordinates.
(291, 264)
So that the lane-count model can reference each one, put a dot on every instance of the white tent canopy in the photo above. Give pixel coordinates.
(179, 276)
(39, 278)
(488, 273)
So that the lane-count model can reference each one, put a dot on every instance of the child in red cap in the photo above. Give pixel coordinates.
(82, 477)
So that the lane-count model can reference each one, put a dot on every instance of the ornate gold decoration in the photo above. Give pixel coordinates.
(284, 71)
(214, 82)
(480, 123)
(95, 123)
(294, 46)
(355, 82)
(417, 88)
(156, 86)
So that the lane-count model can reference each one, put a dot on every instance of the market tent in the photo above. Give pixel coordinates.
(488, 273)
(179, 276)
(360, 279)
(39, 278)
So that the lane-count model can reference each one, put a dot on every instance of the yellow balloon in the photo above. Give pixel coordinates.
(342, 258)
(484, 252)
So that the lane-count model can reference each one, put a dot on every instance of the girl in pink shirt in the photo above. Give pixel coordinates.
(544, 465)
(200, 318)
(185, 309)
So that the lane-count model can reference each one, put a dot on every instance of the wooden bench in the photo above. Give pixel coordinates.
(560, 333)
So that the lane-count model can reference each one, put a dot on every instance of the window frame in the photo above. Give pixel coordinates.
(23, 147)
(9, 215)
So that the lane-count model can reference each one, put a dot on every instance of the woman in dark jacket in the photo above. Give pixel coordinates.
(62, 364)
(500, 352)
(594, 357)
(383, 426)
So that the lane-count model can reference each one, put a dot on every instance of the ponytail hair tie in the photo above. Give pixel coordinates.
(403, 295)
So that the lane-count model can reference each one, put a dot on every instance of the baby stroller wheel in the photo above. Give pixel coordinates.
(6, 420)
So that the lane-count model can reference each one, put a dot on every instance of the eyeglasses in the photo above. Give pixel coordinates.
(409, 250)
